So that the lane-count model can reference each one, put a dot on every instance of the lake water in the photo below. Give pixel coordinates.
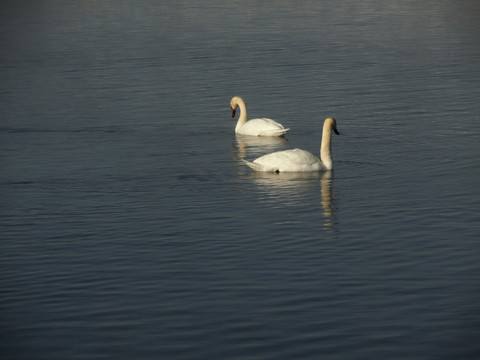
(131, 229)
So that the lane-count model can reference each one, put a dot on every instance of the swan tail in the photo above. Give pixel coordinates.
(258, 167)
(251, 164)
(282, 132)
(254, 166)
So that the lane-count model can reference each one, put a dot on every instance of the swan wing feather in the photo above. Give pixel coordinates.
(262, 127)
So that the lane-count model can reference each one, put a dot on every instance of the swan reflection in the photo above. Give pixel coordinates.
(257, 145)
(327, 201)
(292, 188)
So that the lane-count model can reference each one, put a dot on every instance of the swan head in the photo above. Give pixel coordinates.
(332, 123)
(234, 104)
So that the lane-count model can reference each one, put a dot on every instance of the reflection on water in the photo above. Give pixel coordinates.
(327, 201)
(111, 191)
(255, 146)
(292, 188)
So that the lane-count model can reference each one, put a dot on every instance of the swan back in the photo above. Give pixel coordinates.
(262, 127)
(294, 160)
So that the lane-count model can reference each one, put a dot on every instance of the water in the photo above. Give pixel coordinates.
(131, 229)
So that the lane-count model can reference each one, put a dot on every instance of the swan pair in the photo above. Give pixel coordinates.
(295, 160)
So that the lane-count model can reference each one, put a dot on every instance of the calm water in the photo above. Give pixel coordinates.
(131, 229)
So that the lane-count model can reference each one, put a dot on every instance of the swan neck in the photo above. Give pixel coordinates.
(326, 147)
(242, 118)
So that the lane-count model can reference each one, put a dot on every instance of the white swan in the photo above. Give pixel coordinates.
(298, 160)
(255, 127)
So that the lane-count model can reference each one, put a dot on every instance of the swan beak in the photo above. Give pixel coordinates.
(336, 131)
(233, 113)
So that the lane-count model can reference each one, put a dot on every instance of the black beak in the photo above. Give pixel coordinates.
(336, 131)
(233, 113)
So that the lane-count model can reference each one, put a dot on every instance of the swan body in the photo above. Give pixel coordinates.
(298, 160)
(254, 127)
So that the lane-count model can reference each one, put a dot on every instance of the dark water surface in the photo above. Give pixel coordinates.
(131, 229)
